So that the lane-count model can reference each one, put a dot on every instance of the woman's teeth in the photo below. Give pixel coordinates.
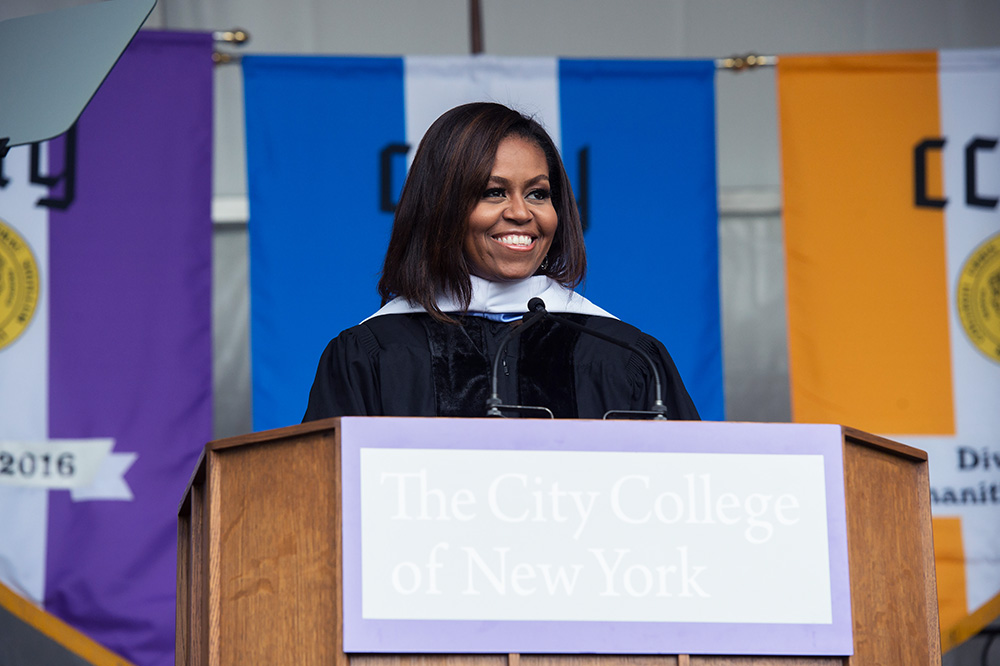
(515, 239)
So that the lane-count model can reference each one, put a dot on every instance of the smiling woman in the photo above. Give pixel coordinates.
(487, 221)
(511, 228)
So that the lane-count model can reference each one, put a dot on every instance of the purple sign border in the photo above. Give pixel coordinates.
(573, 637)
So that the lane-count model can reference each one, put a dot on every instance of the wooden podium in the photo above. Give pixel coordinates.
(259, 561)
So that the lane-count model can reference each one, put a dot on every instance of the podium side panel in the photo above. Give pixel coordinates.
(891, 553)
(190, 645)
(198, 645)
(182, 617)
(278, 533)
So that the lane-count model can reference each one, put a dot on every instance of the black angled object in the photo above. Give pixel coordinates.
(51, 65)
(494, 405)
(658, 411)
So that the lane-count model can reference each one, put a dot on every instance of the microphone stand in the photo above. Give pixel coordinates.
(494, 403)
(659, 410)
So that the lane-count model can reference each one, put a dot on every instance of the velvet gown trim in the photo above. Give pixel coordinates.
(548, 378)
(460, 368)
(461, 365)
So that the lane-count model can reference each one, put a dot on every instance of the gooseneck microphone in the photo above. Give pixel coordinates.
(659, 410)
(494, 403)
(537, 312)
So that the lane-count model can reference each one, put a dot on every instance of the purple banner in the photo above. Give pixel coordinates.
(131, 336)
(371, 625)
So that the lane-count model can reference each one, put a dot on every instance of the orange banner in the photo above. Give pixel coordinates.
(867, 297)
(892, 232)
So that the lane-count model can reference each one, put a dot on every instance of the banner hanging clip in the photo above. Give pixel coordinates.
(745, 62)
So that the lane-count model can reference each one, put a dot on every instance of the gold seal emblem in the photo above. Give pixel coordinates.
(18, 285)
(978, 297)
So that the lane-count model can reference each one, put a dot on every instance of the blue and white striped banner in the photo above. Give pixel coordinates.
(328, 140)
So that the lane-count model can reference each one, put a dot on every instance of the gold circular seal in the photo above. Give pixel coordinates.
(19, 283)
(978, 297)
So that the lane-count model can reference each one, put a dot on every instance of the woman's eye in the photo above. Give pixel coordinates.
(493, 193)
(540, 194)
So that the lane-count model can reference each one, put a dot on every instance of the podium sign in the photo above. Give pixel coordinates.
(517, 536)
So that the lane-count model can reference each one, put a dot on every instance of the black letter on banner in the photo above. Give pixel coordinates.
(583, 187)
(920, 197)
(971, 196)
(4, 181)
(387, 205)
(4, 149)
(67, 177)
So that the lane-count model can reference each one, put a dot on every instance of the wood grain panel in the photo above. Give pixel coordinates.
(893, 597)
(182, 617)
(278, 556)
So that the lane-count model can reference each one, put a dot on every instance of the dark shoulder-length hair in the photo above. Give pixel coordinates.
(449, 174)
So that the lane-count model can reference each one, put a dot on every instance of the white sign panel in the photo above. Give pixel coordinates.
(594, 536)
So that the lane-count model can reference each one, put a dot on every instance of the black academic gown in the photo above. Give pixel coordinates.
(413, 365)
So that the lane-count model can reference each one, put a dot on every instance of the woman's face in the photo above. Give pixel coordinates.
(511, 228)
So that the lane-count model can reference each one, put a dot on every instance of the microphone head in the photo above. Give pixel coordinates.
(536, 305)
